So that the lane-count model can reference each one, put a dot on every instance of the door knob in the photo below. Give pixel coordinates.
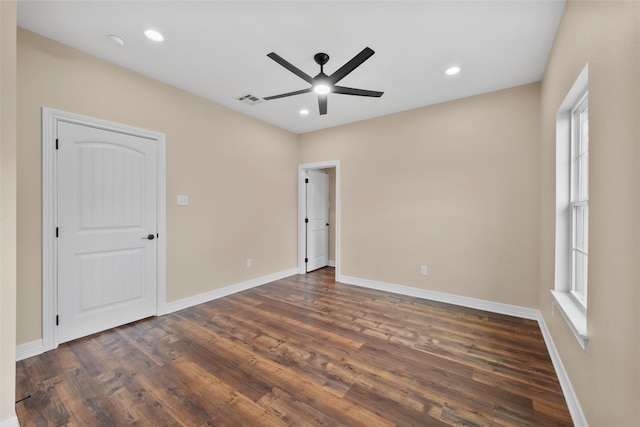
(150, 237)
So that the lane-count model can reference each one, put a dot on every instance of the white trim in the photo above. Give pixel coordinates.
(49, 221)
(161, 219)
(50, 118)
(10, 422)
(302, 169)
(571, 399)
(577, 416)
(227, 290)
(573, 313)
(494, 307)
(332, 263)
(29, 349)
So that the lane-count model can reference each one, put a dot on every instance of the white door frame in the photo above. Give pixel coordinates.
(50, 119)
(302, 169)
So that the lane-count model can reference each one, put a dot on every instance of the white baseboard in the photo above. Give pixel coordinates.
(227, 290)
(332, 263)
(34, 348)
(575, 410)
(30, 349)
(577, 416)
(10, 422)
(494, 307)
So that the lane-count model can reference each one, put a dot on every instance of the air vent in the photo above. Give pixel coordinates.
(249, 99)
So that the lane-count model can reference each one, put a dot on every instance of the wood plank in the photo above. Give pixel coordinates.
(293, 411)
(227, 404)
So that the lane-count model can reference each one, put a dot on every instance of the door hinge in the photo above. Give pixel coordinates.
(157, 235)
(56, 231)
(306, 260)
(57, 320)
(306, 180)
(306, 220)
(56, 143)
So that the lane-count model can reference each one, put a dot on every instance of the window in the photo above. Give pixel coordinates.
(580, 199)
(572, 207)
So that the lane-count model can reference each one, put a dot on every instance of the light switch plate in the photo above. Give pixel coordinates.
(183, 200)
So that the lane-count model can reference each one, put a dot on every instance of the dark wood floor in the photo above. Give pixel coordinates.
(300, 351)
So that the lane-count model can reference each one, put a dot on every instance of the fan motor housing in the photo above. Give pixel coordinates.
(321, 58)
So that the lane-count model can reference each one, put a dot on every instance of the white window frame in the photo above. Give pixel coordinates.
(579, 201)
(569, 304)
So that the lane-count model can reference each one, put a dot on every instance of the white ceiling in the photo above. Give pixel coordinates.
(218, 49)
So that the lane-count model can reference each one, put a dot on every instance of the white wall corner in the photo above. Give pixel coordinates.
(577, 416)
(30, 349)
(10, 422)
(227, 290)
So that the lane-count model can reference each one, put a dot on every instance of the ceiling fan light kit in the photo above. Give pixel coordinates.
(323, 84)
(321, 88)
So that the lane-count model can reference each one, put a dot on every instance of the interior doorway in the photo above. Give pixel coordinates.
(316, 219)
(103, 156)
(311, 229)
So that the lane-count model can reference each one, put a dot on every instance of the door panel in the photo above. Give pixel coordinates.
(108, 278)
(111, 184)
(106, 207)
(318, 216)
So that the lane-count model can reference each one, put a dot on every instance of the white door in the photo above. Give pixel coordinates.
(106, 229)
(318, 220)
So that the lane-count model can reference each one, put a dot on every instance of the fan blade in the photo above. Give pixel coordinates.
(351, 65)
(282, 95)
(307, 78)
(322, 103)
(359, 92)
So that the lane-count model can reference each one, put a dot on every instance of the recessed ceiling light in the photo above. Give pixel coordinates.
(304, 112)
(116, 39)
(154, 35)
(452, 71)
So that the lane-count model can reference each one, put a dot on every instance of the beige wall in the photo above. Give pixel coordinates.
(453, 187)
(240, 173)
(7, 211)
(606, 35)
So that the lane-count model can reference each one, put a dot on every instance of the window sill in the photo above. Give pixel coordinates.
(574, 315)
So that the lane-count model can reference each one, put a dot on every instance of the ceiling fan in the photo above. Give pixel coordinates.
(323, 84)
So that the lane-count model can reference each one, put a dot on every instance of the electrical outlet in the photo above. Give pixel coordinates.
(249, 263)
(183, 200)
(423, 270)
